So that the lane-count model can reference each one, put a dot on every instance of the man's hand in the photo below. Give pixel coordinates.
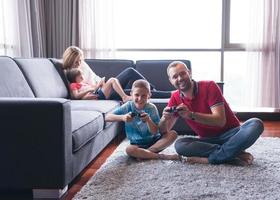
(166, 113)
(183, 111)
(167, 120)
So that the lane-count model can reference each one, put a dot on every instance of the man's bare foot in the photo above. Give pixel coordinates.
(126, 98)
(139, 159)
(246, 157)
(236, 162)
(169, 157)
(199, 160)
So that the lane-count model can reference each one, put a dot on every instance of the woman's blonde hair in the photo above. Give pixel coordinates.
(69, 56)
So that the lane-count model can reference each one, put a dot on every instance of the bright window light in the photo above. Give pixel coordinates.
(167, 24)
(239, 21)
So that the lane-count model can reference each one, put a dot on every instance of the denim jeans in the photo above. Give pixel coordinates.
(128, 76)
(224, 147)
(126, 79)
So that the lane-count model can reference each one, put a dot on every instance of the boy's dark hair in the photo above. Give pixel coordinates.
(71, 74)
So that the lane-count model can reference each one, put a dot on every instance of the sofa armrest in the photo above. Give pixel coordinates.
(36, 143)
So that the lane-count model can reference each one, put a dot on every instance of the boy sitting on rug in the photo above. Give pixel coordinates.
(141, 125)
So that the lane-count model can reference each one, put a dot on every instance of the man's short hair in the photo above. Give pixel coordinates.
(174, 64)
(141, 83)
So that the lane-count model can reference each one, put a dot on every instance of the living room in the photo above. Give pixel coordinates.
(235, 43)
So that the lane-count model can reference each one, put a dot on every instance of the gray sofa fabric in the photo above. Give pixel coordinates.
(103, 106)
(11, 79)
(85, 126)
(43, 77)
(36, 143)
(48, 139)
(109, 67)
(155, 72)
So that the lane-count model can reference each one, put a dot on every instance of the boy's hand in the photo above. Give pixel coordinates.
(127, 117)
(144, 117)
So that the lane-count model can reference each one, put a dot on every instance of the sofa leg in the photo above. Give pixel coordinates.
(49, 193)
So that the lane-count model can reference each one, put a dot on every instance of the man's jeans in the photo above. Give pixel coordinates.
(224, 147)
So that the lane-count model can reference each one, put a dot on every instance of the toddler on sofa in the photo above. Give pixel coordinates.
(81, 89)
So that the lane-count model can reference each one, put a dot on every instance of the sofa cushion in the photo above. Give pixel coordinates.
(43, 77)
(12, 81)
(109, 67)
(153, 69)
(160, 104)
(103, 106)
(85, 126)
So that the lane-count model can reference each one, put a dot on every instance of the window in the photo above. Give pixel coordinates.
(239, 25)
(171, 29)
(210, 33)
(8, 29)
(239, 21)
(236, 23)
(168, 24)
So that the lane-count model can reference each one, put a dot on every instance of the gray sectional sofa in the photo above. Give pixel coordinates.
(47, 138)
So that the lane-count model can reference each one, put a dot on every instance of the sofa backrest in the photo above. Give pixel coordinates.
(43, 77)
(109, 67)
(155, 72)
(12, 81)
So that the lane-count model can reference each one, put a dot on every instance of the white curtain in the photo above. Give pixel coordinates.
(97, 28)
(263, 53)
(37, 28)
(254, 43)
(22, 34)
(270, 55)
(10, 35)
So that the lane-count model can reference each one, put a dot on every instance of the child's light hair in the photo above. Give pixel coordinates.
(141, 83)
(72, 74)
(69, 56)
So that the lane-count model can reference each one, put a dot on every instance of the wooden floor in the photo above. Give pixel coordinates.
(272, 129)
(87, 173)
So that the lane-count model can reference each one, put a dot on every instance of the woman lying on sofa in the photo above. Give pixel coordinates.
(73, 58)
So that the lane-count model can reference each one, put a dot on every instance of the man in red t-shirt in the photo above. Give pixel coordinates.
(201, 104)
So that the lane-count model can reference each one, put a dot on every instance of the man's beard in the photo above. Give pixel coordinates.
(186, 87)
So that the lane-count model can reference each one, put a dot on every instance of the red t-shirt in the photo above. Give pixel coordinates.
(75, 86)
(206, 95)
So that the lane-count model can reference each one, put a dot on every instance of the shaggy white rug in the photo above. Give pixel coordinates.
(124, 178)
